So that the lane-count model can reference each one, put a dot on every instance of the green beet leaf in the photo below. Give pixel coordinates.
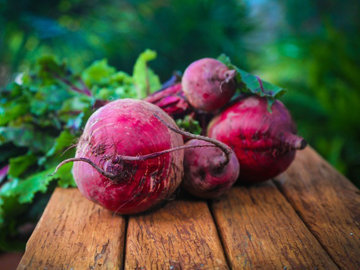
(65, 140)
(26, 189)
(26, 136)
(12, 110)
(145, 80)
(20, 164)
(98, 73)
(65, 176)
(49, 70)
(249, 83)
(189, 124)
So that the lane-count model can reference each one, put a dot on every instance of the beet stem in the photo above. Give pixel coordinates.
(67, 149)
(96, 167)
(226, 149)
(260, 83)
(156, 154)
(127, 158)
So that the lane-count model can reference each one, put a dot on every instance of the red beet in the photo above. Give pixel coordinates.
(115, 141)
(210, 169)
(265, 143)
(208, 84)
(206, 174)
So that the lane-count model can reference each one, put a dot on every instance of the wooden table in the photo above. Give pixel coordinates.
(307, 218)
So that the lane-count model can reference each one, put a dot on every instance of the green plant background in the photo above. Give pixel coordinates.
(311, 48)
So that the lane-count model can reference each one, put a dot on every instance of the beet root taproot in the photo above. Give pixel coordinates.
(264, 142)
(206, 175)
(208, 84)
(128, 128)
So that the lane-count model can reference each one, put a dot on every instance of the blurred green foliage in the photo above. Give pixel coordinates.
(315, 55)
(81, 31)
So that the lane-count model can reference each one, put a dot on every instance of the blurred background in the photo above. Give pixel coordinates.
(310, 47)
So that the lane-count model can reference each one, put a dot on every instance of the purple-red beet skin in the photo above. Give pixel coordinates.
(265, 143)
(128, 127)
(208, 84)
(204, 177)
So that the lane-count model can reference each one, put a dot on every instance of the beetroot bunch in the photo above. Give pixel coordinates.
(132, 155)
(264, 140)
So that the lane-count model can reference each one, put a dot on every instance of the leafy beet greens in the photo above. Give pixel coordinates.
(252, 84)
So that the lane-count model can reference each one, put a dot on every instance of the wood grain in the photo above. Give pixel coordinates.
(181, 235)
(328, 203)
(260, 230)
(74, 233)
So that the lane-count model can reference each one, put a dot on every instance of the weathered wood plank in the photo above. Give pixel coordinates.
(328, 203)
(181, 235)
(74, 233)
(260, 230)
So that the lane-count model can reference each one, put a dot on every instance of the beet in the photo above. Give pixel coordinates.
(121, 168)
(208, 84)
(265, 143)
(210, 166)
(206, 173)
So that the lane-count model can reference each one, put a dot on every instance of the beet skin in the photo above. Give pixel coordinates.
(208, 84)
(128, 127)
(265, 143)
(205, 176)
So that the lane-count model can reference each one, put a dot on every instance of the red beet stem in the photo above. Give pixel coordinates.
(96, 167)
(226, 149)
(119, 158)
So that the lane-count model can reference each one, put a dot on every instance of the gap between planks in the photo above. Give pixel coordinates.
(260, 229)
(328, 203)
(74, 233)
(218, 232)
(179, 235)
(122, 267)
(300, 217)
